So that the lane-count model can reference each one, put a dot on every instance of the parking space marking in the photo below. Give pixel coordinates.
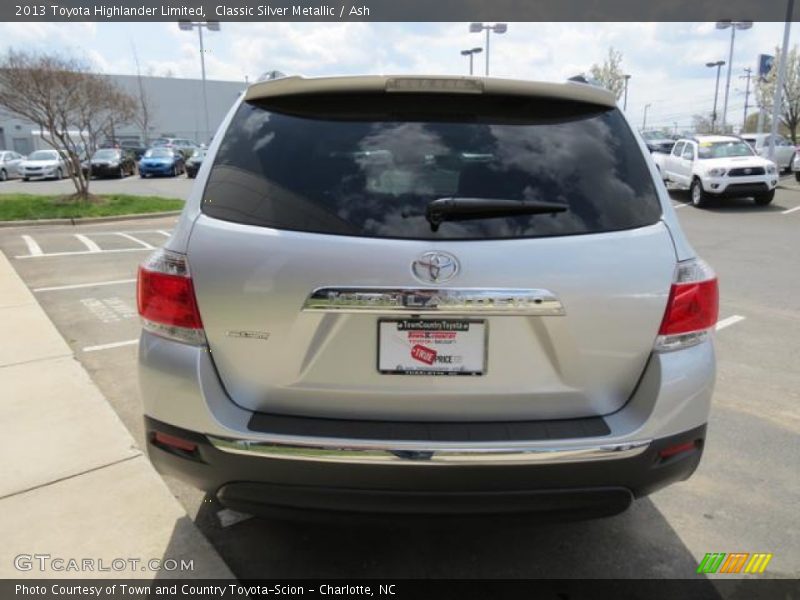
(162, 232)
(110, 346)
(90, 245)
(791, 210)
(677, 206)
(33, 248)
(128, 236)
(76, 286)
(729, 321)
(80, 252)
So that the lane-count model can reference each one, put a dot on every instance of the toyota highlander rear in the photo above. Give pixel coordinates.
(427, 295)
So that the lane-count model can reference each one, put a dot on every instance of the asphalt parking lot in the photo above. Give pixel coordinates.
(168, 187)
(743, 497)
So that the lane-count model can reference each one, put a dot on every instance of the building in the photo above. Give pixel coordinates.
(176, 106)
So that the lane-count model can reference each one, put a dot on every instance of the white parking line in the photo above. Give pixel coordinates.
(162, 232)
(729, 321)
(80, 252)
(90, 245)
(677, 206)
(791, 210)
(33, 247)
(128, 236)
(76, 286)
(110, 346)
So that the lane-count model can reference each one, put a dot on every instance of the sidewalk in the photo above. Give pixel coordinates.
(73, 484)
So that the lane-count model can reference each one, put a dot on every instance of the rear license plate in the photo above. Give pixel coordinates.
(431, 347)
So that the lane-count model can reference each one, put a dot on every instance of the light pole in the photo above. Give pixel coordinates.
(470, 53)
(733, 25)
(497, 28)
(212, 26)
(717, 64)
(644, 120)
(625, 102)
(747, 76)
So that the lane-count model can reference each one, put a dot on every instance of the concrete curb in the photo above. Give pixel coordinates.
(75, 484)
(86, 220)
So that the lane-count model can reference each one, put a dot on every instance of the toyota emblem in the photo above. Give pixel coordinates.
(435, 267)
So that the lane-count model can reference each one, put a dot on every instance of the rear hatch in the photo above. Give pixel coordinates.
(328, 288)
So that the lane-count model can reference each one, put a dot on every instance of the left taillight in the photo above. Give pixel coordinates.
(166, 300)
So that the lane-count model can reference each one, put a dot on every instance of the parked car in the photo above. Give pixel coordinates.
(796, 167)
(162, 161)
(49, 164)
(110, 162)
(10, 163)
(404, 303)
(657, 141)
(784, 149)
(185, 146)
(137, 150)
(194, 162)
(719, 166)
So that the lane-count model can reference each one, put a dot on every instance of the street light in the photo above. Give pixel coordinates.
(733, 26)
(211, 26)
(717, 64)
(470, 53)
(625, 103)
(497, 28)
(644, 120)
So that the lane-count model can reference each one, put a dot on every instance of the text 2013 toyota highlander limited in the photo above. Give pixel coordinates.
(427, 295)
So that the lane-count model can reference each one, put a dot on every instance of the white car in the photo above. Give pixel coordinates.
(49, 164)
(796, 167)
(9, 164)
(784, 149)
(719, 166)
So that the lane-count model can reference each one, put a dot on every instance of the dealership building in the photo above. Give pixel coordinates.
(176, 107)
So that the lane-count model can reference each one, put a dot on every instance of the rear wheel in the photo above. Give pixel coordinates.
(764, 199)
(3, 175)
(59, 174)
(121, 173)
(174, 171)
(699, 196)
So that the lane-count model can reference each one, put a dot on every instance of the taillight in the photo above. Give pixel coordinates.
(166, 300)
(692, 308)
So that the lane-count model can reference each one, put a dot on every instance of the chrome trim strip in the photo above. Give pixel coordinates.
(424, 453)
(452, 301)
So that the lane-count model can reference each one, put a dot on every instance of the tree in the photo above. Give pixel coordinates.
(610, 74)
(790, 107)
(701, 123)
(143, 114)
(71, 106)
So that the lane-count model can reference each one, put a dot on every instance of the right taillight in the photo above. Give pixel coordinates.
(166, 300)
(692, 308)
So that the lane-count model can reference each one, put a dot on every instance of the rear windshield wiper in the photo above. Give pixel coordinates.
(462, 209)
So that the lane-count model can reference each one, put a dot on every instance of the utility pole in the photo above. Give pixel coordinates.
(625, 104)
(644, 119)
(777, 99)
(748, 72)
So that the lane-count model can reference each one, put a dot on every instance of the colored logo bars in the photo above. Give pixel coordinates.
(720, 562)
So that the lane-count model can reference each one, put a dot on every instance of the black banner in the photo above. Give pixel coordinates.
(203, 589)
(393, 10)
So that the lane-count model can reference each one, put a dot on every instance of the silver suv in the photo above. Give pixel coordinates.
(427, 295)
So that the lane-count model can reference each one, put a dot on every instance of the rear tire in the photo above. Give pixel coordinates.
(59, 175)
(174, 171)
(698, 194)
(764, 199)
(3, 175)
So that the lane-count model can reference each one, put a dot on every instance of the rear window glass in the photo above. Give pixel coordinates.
(369, 166)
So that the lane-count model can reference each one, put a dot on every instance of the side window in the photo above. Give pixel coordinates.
(688, 152)
(676, 151)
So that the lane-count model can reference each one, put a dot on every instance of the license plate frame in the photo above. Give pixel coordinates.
(418, 361)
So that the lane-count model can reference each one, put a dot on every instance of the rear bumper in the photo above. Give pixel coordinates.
(156, 170)
(576, 485)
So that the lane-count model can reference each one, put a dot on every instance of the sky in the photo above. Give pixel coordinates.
(666, 61)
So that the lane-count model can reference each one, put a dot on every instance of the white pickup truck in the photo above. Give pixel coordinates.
(718, 166)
